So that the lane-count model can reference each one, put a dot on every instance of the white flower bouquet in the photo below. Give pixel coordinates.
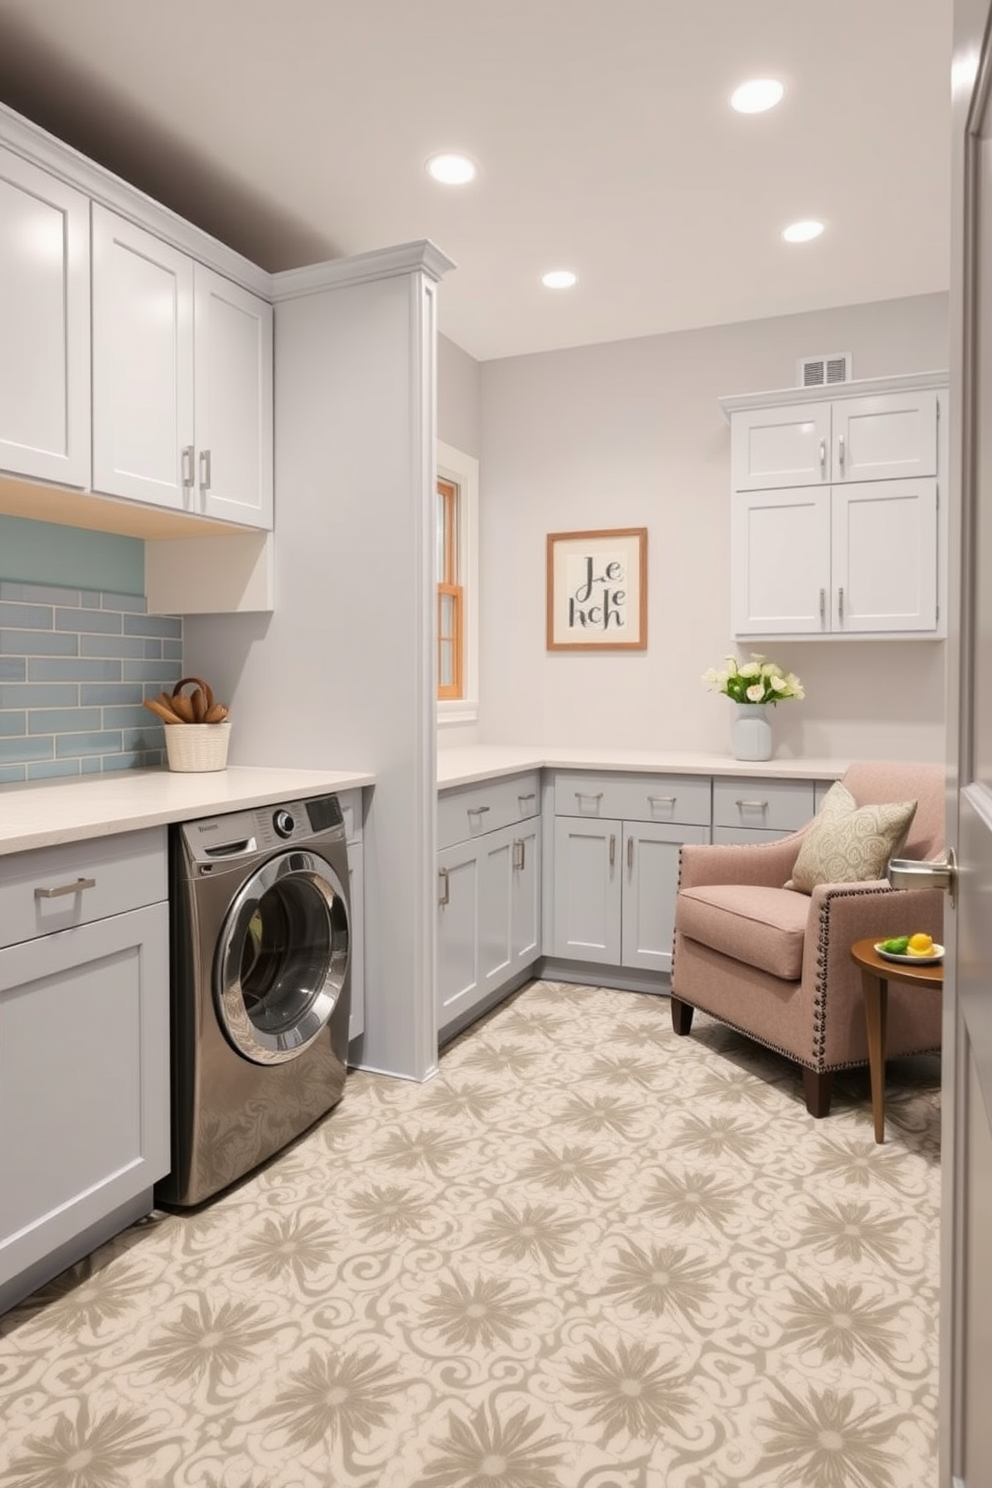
(756, 681)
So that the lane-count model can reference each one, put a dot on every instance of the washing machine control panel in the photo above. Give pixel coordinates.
(284, 822)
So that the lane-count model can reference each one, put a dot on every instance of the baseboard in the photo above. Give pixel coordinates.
(592, 974)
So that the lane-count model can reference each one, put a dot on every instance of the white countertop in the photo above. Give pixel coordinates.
(469, 763)
(40, 814)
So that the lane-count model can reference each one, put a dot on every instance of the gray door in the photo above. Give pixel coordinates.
(966, 1298)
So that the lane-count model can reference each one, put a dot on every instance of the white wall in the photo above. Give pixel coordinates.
(630, 434)
(459, 405)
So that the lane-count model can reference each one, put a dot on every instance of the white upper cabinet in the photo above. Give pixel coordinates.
(142, 365)
(837, 528)
(886, 436)
(233, 398)
(182, 380)
(44, 315)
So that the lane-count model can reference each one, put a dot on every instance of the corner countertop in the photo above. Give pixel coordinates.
(470, 763)
(40, 815)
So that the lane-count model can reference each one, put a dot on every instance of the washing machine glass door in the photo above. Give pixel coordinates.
(282, 957)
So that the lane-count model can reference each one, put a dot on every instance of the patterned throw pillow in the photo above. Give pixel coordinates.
(848, 843)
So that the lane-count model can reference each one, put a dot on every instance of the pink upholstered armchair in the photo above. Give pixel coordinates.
(775, 963)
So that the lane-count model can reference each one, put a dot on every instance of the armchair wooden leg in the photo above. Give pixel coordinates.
(681, 1015)
(818, 1087)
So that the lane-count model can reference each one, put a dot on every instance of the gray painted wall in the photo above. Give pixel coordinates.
(630, 434)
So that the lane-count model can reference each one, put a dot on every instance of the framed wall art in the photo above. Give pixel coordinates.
(598, 590)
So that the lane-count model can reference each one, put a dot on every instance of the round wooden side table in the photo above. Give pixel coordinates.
(876, 973)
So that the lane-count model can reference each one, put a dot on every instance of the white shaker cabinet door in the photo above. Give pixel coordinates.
(45, 320)
(142, 365)
(780, 583)
(885, 554)
(776, 447)
(887, 436)
(233, 390)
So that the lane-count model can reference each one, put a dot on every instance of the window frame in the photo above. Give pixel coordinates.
(462, 471)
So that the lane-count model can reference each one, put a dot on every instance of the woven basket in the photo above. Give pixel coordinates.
(197, 746)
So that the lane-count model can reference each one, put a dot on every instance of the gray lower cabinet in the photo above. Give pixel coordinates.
(489, 897)
(756, 810)
(84, 1050)
(616, 864)
(615, 887)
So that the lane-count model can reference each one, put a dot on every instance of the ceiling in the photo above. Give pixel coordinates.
(297, 130)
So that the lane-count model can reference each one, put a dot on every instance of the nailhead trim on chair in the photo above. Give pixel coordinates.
(820, 997)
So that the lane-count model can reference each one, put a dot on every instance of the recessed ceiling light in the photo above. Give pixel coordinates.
(451, 170)
(559, 279)
(757, 95)
(802, 232)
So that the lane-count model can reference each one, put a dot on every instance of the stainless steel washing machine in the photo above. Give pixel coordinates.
(260, 988)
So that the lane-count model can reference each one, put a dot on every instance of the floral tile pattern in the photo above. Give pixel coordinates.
(588, 1254)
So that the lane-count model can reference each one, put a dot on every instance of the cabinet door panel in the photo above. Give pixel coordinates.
(495, 884)
(781, 570)
(650, 884)
(142, 363)
(45, 315)
(891, 436)
(885, 552)
(587, 889)
(777, 447)
(84, 1079)
(458, 976)
(233, 383)
(525, 895)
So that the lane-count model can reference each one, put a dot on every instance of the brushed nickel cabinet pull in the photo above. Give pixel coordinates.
(613, 849)
(444, 896)
(519, 852)
(823, 454)
(754, 805)
(187, 467)
(477, 810)
(205, 465)
(840, 451)
(662, 800)
(69, 888)
(840, 604)
(588, 795)
(823, 605)
(630, 854)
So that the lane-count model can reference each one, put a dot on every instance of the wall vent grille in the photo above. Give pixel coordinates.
(824, 371)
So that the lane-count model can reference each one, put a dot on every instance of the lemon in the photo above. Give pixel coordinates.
(920, 945)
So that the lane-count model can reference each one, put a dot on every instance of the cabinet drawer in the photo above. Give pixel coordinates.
(652, 798)
(476, 809)
(748, 834)
(113, 874)
(773, 805)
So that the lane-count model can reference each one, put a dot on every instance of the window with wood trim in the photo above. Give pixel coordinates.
(450, 594)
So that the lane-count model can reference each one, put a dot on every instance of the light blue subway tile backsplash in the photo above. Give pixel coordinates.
(75, 667)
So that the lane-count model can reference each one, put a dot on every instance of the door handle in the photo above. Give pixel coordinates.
(907, 873)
